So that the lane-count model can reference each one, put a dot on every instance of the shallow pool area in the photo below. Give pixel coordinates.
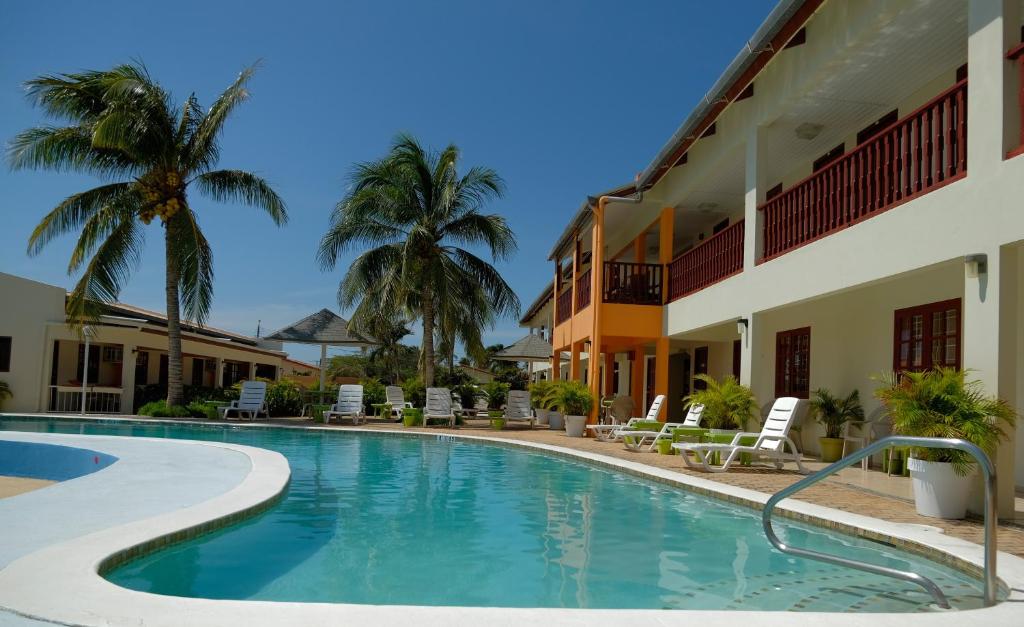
(436, 521)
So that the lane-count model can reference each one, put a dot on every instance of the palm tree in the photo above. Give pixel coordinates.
(124, 127)
(415, 212)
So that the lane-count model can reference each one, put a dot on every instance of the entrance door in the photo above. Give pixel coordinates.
(700, 366)
(142, 368)
(737, 356)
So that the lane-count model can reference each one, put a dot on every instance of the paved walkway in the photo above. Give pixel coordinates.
(12, 486)
(854, 490)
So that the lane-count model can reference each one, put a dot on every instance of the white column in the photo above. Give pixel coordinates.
(219, 374)
(990, 328)
(753, 235)
(127, 378)
(993, 27)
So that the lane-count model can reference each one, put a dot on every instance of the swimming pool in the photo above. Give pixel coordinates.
(387, 519)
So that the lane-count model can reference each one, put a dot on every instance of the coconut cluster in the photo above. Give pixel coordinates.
(163, 196)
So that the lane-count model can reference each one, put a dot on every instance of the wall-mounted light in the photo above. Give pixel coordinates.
(977, 265)
(741, 325)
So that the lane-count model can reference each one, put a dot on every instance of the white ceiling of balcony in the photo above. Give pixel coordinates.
(902, 52)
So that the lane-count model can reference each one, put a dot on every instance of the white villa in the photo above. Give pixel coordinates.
(42, 358)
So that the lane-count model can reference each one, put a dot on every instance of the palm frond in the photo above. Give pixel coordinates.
(202, 150)
(107, 272)
(195, 265)
(243, 187)
(65, 149)
(74, 211)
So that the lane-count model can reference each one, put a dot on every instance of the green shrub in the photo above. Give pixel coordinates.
(415, 392)
(374, 393)
(159, 409)
(539, 390)
(145, 394)
(203, 409)
(467, 393)
(497, 394)
(942, 403)
(284, 398)
(569, 398)
(727, 404)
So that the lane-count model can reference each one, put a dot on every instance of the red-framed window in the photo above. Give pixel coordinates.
(927, 336)
(793, 362)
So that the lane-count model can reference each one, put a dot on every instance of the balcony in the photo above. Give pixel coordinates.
(583, 290)
(632, 283)
(716, 258)
(915, 155)
(563, 307)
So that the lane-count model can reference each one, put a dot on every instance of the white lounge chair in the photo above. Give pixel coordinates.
(439, 406)
(620, 409)
(518, 407)
(771, 442)
(652, 415)
(637, 440)
(250, 401)
(395, 396)
(349, 405)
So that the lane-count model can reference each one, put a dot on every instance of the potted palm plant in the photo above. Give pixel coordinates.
(727, 404)
(833, 412)
(538, 391)
(573, 400)
(942, 403)
(5, 393)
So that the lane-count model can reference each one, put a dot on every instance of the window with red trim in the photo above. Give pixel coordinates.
(927, 336)
(793, 362)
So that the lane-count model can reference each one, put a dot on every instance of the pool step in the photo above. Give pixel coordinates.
(826, 590)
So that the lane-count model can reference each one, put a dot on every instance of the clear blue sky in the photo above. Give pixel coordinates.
(562, 98)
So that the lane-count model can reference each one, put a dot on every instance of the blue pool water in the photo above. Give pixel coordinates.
(385, 519)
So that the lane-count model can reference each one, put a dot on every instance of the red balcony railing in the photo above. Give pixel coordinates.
(714, 259)
(917, 154)
(632, 283)
(583, 290)
(1017, 54)
(563, 307)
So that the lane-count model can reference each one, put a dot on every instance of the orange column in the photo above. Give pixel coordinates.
(574, 362)
(596, 296)
(661, 370)
(636, 380)
(609, 373)
(640, 248)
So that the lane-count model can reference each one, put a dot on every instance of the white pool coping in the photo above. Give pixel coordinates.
(60, 582)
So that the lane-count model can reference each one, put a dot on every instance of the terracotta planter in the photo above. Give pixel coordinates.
(831, 449)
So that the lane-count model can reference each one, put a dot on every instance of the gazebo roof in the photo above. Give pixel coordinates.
(533, 347)
(323, 327)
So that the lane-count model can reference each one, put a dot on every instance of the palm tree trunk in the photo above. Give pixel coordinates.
(428, 337)
(175, 393)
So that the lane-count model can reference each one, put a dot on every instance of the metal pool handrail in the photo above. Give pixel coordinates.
(988, 470)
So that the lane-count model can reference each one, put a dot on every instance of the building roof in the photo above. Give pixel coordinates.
(323, 327)
(581, 217)
(533, 347)
(778, 28)
(538, 303)
(299, 362)
(124, 310)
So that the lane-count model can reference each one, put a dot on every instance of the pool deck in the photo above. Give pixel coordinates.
(63, 535)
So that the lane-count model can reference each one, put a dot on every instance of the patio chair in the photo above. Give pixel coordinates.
(638, 439)
(349, 405)
(771, 442)
(439, 406)
(251, 401)
(518, 407)
(619, 413)
(395, 396)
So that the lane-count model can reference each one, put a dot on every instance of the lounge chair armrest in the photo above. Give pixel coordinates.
(745, 434)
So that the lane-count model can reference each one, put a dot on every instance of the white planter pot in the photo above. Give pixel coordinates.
(574, 426)
(938, 491)
(542, 416)
(555, 421)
